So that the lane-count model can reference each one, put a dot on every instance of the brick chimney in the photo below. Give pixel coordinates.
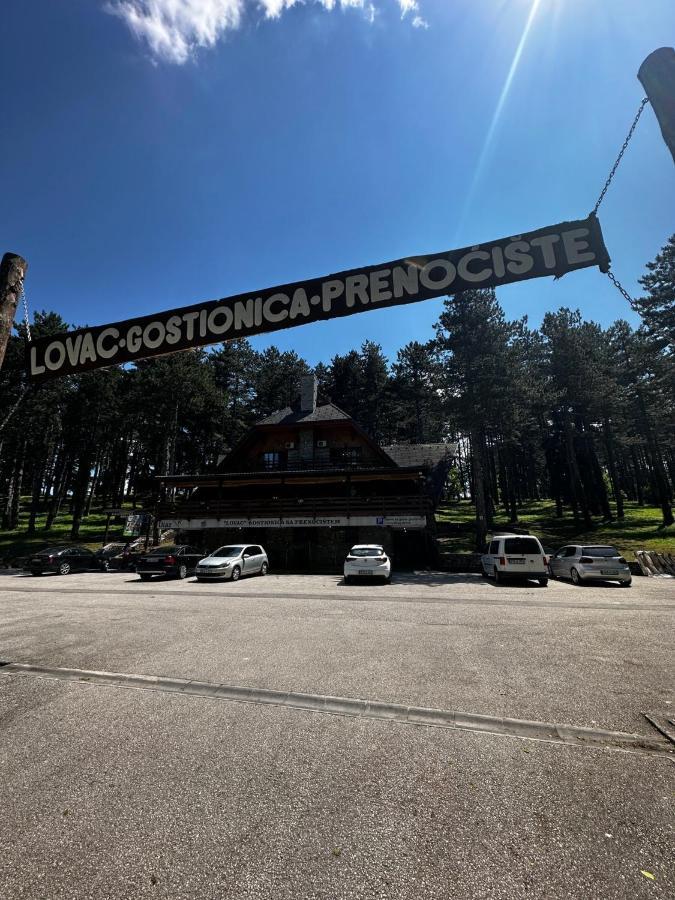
(308, 390)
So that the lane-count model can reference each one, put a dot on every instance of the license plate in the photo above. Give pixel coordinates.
(609, 571)
(518, 561)
(365, 571)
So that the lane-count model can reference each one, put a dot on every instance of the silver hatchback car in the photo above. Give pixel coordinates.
(233, 561)
(590, 563)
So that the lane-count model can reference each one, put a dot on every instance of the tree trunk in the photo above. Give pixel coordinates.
(60, 482)
(477, 441)
(660, 481)
(600, 488)
(80, 493)
(611, 467)
(511, 474)
(93, 485)
(11, 514)
(576, 489)
(36, 495)
(637, 475)
(12, 273)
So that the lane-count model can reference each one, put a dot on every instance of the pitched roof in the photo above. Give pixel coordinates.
(293, 416)
(420, 454)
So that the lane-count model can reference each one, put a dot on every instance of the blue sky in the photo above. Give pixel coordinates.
(150, 162)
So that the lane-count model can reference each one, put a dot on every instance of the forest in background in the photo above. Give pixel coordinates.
(570, 411)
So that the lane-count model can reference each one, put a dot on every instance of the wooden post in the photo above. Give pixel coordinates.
(657, 74)
(12, 272)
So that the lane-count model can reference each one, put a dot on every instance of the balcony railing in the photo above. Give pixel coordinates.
(290, 507)
(305, 465)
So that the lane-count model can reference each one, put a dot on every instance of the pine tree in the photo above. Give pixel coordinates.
(472, 337)
(657, 308)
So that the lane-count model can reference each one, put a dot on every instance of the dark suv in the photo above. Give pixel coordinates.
(173, 560)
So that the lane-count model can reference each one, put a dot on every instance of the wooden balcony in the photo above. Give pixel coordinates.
(271, 508)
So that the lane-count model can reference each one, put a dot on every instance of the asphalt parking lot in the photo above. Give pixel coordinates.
(114, 791)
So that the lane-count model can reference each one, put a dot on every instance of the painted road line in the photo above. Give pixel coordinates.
(570, 735)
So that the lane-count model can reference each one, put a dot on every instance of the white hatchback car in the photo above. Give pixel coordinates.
(510, 556)
(367, 561)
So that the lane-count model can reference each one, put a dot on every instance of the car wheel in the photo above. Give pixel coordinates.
(543, 582)
(347, 579)
(387, 580)
(498, 577)
(236, 572)
(576, 577)
(626, 583)
(105, 566)
(182, 572)
(144, 577)
(64, 568)
(263, 569)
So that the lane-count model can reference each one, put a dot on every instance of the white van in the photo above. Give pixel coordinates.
(515, 556)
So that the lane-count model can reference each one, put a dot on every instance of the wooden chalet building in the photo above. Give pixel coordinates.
(307, 483)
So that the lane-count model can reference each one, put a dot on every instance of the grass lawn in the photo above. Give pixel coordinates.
(638, 531)
(92, 531)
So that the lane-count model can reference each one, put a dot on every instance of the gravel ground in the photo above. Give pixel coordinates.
(597, 656)
(122, 794)
(114, 793)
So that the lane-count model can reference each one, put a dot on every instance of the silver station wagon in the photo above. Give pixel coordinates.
(590, 562)
(233, 561)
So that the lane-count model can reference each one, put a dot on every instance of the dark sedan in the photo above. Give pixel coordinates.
(63, 561)
(173, 560)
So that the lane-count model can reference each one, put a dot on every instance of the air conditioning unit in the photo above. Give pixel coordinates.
(322, 444)
(289, 445)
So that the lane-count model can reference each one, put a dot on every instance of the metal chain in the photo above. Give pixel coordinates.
(645, 101)
(622, 290)
(25, 313)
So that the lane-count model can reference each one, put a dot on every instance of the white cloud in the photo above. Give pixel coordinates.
(408, 6)
(175, 29)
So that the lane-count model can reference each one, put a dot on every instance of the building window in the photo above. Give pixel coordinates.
(271, 460)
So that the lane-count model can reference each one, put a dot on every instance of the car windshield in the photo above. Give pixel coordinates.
(53, 550)
(227, 551)
(522, 545)
(599, 551)
(161, 551)
(366, 551)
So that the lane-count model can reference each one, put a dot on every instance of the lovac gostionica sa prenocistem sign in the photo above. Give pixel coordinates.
(549, 251)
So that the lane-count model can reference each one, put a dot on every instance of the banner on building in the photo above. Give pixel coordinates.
(555, 251)
(398, 522)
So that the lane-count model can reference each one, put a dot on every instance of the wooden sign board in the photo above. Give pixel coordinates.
(555, 251)
(657, 74)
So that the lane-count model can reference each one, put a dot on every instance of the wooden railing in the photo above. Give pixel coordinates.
(308, 508)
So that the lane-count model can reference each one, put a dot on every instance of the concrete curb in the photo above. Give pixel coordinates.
(571, 735)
